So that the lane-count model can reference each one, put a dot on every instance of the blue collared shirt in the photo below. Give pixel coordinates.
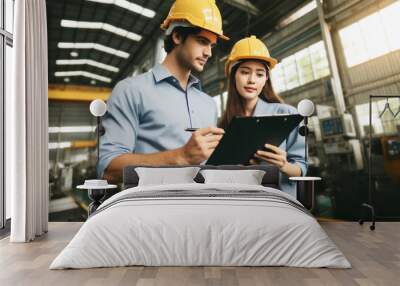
(149, 113)
(294, 145)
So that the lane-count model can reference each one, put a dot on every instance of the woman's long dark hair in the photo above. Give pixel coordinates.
(235, 103)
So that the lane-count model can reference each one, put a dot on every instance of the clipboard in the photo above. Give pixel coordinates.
(245, 135)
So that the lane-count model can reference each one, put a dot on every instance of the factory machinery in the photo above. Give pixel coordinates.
(341, 159)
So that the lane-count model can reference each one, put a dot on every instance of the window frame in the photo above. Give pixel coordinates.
(282, 79)
(6, 39)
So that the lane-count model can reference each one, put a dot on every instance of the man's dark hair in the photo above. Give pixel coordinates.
(183, 32)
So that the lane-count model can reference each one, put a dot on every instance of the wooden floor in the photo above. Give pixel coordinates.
(375, 257)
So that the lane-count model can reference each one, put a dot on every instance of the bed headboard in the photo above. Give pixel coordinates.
(270, 179)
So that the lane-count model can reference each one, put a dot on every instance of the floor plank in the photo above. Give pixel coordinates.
(375, 257)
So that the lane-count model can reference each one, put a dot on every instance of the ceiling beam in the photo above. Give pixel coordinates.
(244, 5)
(77, 93)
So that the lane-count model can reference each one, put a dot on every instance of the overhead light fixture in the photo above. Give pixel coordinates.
(74, 54)
(95, 46)
(298, 14)
(72, 129)
(82, 73)
(87, 62)
(101, 26)
(244, 5)
(67, 79)
(59, 145)
(129, 6)
(93, 82)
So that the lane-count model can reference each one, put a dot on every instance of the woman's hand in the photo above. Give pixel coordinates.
(277, 157)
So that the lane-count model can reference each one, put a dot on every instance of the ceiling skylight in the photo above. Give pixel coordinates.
(88, 62)
(95, 46)
(129, 6)
(82, 73)
(101, 26)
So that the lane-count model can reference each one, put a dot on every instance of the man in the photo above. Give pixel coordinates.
(148, 114)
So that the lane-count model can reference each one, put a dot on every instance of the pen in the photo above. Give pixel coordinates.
(191, 129)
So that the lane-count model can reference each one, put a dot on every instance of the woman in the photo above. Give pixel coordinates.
(250, 93)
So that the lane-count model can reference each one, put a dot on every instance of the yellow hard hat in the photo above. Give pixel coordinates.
(200, 13)
(249, 48)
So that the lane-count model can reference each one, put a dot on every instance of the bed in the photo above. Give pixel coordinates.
(201, 224)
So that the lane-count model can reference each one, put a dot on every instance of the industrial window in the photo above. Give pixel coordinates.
(224, 100)
(303, 60)
(218, 101)
(301, 68)
(6, 64)
(221, 100)
(372, 36)
(290, 71)
(386, 124)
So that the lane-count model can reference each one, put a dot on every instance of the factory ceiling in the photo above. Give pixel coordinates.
(97, 42)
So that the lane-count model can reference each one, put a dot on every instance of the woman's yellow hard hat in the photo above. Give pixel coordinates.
(199, 13)
(249, 48)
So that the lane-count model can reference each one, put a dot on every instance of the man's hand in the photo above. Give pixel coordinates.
(201, 145)
(197, 149)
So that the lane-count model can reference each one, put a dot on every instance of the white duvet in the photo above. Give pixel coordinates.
(270, 229)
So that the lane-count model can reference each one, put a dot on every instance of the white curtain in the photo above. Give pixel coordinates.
(27, 124)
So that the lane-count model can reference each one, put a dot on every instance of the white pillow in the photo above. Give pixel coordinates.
(165, 176)
(249, 177)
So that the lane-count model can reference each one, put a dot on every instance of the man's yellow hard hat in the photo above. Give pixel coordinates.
(249, 48)
(199, 13)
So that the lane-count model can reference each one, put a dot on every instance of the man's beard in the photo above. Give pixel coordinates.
(187, 64)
